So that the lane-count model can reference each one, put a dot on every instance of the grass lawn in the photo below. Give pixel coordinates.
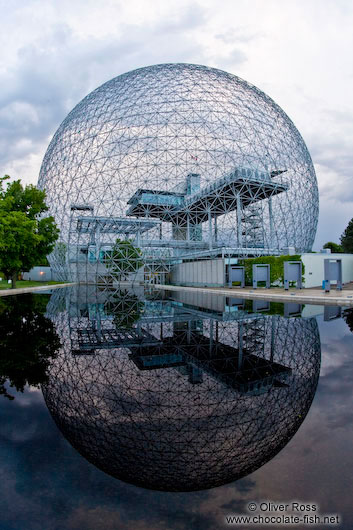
(22, 283)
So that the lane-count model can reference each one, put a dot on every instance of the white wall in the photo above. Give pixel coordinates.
(199, 273)
(314, 268)
(211, 272)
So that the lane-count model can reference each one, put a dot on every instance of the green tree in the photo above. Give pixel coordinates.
(123, 259)
(333, 246)
(347, 238)
(26, 237)
(28, 341)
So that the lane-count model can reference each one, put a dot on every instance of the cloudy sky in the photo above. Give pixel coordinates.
(54, 52)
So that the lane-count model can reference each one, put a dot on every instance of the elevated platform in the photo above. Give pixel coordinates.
(175, 244)
(227, 252)
(220, 197)
(114, 225)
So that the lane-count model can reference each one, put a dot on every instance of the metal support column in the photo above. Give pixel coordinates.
(209, 229)
(229, 282)
(272, 231)
(98, 240)
(239, 227)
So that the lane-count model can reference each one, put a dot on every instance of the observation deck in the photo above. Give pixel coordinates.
(237, 189)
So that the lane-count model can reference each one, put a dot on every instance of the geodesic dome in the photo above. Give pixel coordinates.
(150, 128)
(141, 415)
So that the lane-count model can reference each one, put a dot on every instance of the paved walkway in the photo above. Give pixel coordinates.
(303, 296)
(24, 290)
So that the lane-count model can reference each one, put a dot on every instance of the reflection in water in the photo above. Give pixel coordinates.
(28, 341)
(191, 394)
(348, 317)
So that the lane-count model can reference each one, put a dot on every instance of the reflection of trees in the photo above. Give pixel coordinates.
(348, 317)
(125, 307)
(28, 341)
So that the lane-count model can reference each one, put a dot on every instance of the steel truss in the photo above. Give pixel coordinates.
(221, 164)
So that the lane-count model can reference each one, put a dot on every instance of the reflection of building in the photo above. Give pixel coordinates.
(210, 158)
(183, 397)
(236, 367)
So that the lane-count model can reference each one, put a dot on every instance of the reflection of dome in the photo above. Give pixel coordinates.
(150, 128)
(197, 422)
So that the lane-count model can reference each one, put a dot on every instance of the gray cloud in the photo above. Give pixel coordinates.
(55, 71)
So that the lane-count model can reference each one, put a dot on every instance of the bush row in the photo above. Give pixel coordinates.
(276, 267)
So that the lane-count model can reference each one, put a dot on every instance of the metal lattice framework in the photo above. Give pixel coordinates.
(207, 156)
(174, 396)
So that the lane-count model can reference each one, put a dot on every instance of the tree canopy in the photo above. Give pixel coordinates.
(26, 237)
(333, 246)
(347, 238)
(124, 259)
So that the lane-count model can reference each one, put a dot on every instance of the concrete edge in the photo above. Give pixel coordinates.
(24, 290)
(322, 299)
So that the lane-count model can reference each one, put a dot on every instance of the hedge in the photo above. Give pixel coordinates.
(276, 267)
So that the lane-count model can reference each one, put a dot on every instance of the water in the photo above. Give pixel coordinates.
(171, 410)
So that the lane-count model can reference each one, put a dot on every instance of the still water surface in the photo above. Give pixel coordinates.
(171, 410)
